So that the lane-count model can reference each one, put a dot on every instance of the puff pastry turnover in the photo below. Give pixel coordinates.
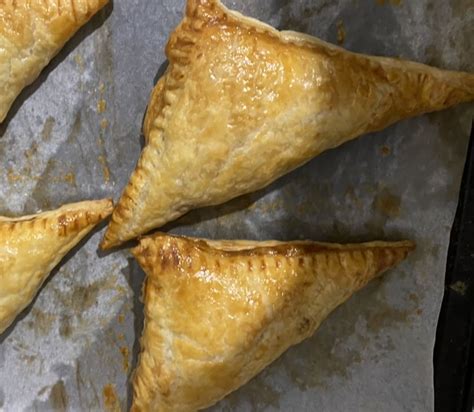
(31, 33)
(241, 104)
(218, 312)
(31, 246)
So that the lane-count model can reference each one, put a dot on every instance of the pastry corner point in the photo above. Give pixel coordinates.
(107, 241)
(100, 208)
(108, 206)
(82, 215)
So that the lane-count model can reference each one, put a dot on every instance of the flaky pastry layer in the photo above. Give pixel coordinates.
(217, 313)
(31, 33)
(31, 246)
(242, 103)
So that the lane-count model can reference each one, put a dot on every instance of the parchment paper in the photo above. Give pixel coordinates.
(75, 134)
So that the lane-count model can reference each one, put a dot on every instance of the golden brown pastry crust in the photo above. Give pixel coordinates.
(31, 33)
(217, 313)
(31, 246)
(241, 104)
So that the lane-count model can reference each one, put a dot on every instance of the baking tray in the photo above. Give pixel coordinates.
(75, 134)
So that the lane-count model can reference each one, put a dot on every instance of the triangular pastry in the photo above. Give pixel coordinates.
(31, 33)
(241, 104)
(218, 312)
(31, 246)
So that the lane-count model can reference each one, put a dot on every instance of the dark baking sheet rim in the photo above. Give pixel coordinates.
(454, 346)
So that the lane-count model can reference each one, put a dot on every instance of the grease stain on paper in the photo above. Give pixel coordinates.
(387, 203)
(320, 357)
(82, 298)
(58, 397)
(47, 129)
(125, 355)
(111, 400)
(41, 322)
(259, 394)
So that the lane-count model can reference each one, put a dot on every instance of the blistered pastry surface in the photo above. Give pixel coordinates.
(31, 247)
(31, 33)
(242, 104)
(216, 315)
